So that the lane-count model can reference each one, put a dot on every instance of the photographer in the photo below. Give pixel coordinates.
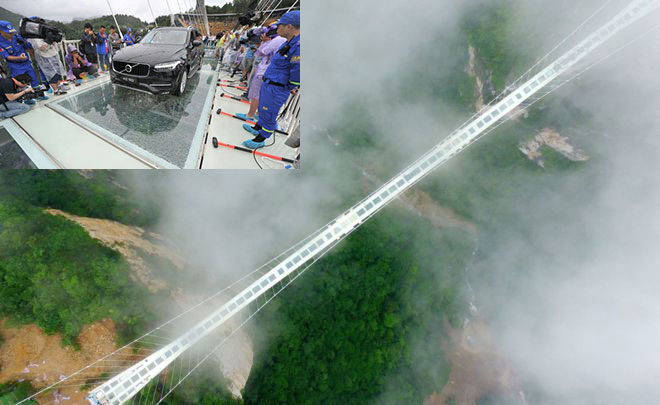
(15, 49)
(128, 37)
(280, 79)
(270, 43)
(78, 65)
(232, 50)
(88, 44)
(115, 40)
(49, 63)
(10, 92)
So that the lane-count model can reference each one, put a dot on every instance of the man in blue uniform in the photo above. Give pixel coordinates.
(128, 37)
(15, 51)
(281, 79)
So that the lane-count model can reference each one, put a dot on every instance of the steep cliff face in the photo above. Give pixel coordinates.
(129, 241)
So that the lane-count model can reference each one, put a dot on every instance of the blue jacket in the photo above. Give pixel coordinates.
(128, 40)
(285, 68)
(15, 47)
(102, 45)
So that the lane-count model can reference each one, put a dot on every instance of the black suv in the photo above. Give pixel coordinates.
(161, 63)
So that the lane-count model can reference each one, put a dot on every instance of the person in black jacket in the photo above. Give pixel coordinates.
(88, 44)
(10, 92)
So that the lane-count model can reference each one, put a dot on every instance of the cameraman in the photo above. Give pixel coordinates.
(88, 44)
(14, 49)
(9, 93)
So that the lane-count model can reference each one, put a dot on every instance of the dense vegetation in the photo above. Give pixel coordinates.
(10, 16)
(54, 274)
(98, 195)
(240, 6)
(205, 386)
(13, 391)
(357, 327)
(488, 29)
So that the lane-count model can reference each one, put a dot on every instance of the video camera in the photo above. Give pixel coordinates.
(249, 18)
(253, 37)
(39, 91)
(37, 28)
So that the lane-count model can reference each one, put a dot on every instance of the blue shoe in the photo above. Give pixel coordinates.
(251, 130)
(50, 90)
(91, 77)
(43, 98)
(78, 82)
(253, 145)
(246, 117)
(30, 102)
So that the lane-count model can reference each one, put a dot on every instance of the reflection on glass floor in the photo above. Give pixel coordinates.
(163, 128)
(11, 155)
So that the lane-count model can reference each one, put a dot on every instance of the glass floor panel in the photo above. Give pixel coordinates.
(11, 154)
(164, 129)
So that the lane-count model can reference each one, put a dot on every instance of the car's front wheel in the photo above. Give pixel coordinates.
(182, 83)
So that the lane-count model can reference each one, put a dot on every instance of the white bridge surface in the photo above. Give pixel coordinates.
(125, 385)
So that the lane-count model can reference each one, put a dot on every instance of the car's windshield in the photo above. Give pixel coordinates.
(166, 37)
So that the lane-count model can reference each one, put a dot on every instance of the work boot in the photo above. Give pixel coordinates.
(253, 145)
(251, 130)
(246, 117)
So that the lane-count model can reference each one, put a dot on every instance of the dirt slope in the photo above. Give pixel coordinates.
(126, 239)
(29, 354)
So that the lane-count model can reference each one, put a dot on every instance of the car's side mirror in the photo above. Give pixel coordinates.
(196, 43)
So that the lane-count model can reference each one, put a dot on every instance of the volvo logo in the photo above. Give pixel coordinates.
(129, 68)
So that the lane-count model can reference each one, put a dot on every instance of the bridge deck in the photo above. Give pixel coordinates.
(102, 126)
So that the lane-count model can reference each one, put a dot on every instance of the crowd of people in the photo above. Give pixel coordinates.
(91, 58)
(268, 59)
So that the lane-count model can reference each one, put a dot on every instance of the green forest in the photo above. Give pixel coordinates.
(98, 195)
(55, 275)
(354, 329)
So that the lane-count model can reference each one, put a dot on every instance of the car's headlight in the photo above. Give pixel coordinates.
(167, 66)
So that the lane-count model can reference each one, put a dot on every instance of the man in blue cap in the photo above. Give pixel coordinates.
(15, 49)
(281, 79)
(128, 37)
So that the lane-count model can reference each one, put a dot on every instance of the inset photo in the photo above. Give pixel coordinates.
(198, 84)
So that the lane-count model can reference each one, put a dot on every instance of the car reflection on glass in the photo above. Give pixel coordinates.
(161, 63)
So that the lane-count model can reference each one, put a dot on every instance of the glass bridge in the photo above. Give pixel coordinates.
(164, 130)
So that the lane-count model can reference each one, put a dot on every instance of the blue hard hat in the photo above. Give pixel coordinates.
(129, 30)
(292, 17)
(5, 26)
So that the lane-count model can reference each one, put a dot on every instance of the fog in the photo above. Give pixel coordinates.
(581, 320)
